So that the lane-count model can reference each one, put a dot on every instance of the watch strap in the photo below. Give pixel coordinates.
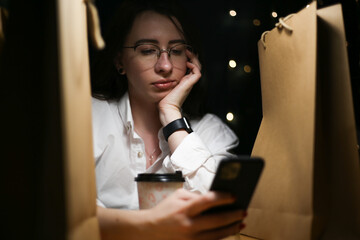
(176, 125)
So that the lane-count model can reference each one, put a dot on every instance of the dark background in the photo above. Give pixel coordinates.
(225, 37)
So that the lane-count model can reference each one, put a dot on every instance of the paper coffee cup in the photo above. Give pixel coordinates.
(153, 187)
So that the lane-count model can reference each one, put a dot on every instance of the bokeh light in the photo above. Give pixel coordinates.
(247, 69)
(229, 116)
(256, 22)
(232, 13)
(232, 64)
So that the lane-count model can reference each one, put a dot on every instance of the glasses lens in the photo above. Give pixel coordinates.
(150, 53)
(178, 51)
(147, 50)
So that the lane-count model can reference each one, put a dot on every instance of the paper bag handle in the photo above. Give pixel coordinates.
(281, 24)
(94, 25)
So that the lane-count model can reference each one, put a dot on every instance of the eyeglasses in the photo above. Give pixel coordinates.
(150, 53)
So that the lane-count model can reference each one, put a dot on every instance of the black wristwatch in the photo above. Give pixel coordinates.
(176, 125)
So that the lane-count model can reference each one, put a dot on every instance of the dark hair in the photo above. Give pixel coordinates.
(108, 84)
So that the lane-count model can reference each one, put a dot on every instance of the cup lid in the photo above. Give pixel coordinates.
(160, 177)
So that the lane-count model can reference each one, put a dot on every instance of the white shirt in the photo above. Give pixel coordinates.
(120, 153)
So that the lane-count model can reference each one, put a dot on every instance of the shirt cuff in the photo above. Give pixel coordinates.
(189, 156)
(99, 203)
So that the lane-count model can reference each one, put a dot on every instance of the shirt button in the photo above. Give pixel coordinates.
(140, 154)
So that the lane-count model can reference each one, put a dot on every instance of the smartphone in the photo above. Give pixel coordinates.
(239, 176)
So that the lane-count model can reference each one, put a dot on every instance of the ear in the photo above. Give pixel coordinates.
(118, 64)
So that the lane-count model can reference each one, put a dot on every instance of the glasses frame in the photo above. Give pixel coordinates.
(168, 50)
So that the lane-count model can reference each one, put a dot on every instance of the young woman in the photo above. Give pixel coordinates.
(140, 83)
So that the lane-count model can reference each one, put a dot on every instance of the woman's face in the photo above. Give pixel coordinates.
(151, 78)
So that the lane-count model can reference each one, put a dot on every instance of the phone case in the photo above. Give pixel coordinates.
(238, 176)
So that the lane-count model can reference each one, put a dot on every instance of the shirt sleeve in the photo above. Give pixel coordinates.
(99, 203)
(200, 152)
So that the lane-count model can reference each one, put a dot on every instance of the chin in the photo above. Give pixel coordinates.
(161, 95)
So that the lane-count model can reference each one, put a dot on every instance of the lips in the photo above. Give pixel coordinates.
(164, 84)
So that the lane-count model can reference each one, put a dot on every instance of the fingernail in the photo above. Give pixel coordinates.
(241, 226)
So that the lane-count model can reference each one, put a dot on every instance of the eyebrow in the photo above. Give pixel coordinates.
(145, 40)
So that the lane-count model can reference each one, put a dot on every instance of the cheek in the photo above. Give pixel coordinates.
(132, 65)
(134, 68)
(180, 73)
(181, 69)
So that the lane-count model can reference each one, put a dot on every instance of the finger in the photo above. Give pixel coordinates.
(194, 70)
(196, 62)
(221, 233)
(185, 194)
(218, 220)
(181, 197)
(209, 200)
(193, 59)
(189, 54)
(185, 85)
(190, 79)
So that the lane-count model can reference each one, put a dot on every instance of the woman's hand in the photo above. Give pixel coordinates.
(179, 217)
(169, 107)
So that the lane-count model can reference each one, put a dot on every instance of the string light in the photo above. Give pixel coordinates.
(232, 64)
(232, 13)
(274, 14)
(256, 22)
(229, 116)
(247, 69)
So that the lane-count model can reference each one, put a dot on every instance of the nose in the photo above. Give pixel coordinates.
(163, 64)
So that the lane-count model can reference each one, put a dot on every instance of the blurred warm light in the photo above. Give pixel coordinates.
(307, 6)
(274, 14)
(232, 13)
(247, 69)
(256, 22)
(229, 116)
(232, 63)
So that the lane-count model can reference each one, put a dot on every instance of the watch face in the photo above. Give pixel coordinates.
(187, 124)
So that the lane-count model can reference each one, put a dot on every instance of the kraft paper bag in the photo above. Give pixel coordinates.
(74, 16)
(310, 187)
(49, 168)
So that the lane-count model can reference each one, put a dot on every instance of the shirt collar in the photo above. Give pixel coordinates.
(124, 109)
(125, 112)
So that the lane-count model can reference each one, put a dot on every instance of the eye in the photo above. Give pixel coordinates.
(147, 49)
(177, 50)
